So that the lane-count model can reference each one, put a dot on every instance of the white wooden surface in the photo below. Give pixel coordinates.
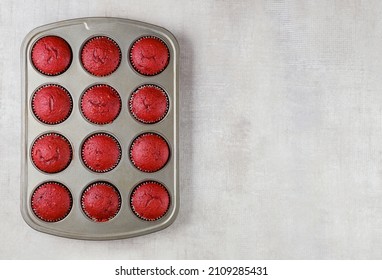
(281, 148)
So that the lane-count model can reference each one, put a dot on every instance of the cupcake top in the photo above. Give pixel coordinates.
(149, 56)
(149, 152)
(101, 152)
(51, 153)
(100, 56)
(51, 202)
(100, 104)
(101, 201)
(51, 55)
(51, 104)
(150, 201)
(149, 104)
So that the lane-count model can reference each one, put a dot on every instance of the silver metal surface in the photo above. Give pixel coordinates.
(76, 128)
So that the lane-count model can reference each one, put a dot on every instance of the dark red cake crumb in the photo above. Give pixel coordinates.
(101, 152)
(149, 56)
(51, 153)
(101, 56)
(101, 104)
(149, 104)
(101, 201)
(150, 201)
(52, 104)
(51, 202)
(51, 55)
(149, 152)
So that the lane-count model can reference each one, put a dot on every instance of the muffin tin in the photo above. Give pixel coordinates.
(128, 186)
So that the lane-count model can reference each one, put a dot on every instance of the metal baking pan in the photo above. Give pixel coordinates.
(125, 128)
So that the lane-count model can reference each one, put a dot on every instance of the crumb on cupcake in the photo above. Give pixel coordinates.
(101, 56)
(52, 104)
(51, 55)
(150, 200)
(51, 201)
(51, 153)
(149, 152)
(101, 201)
(149, 104)
(101, 152)
(101, 104)
(149, 55)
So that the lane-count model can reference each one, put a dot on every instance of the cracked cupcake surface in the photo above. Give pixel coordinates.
(101, 56)
(149, 104)
(101, 104)
(150, 200)
(51, 202)
(51, 55)
(51, 153)
(101, 152)
(149, 55)
(149, 152)
(101, 201)
(51, 104)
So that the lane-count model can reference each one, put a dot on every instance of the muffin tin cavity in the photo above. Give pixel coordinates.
(149, 55)
(101, 152)
(100, 128)
(101, 104)
(101, 56)
(149, 152)
(51, 55)
(52, 104)
(101, 201)
(51, 153)
(149, 104)
(150, 200)
(51, 201)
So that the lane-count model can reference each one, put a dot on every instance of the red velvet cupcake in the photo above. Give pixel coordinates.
(52, 104)
(149, 152)
(51, 153)
(150, 201)
(100, 104)
(149, 104)
(51, 202)
(101, 152)
(149, 56)
(51, 55)
(101, 201)
(101, 56)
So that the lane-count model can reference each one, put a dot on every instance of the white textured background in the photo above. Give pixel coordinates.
(281, 147)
